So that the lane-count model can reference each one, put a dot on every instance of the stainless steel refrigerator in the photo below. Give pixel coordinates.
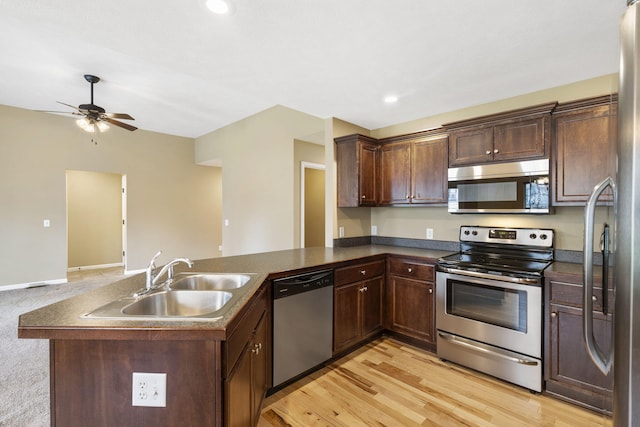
(623, 245)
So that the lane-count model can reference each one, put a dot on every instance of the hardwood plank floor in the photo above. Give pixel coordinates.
(388, 383)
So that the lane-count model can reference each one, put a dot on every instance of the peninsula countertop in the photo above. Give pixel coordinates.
(64, 319)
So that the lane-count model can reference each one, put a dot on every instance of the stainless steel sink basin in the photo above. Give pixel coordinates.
(178, 303)
(189, 296)
(207, 282)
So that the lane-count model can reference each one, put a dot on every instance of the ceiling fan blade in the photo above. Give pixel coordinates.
(119, 116)
(120, 124)
(69, 105)
(58, 112)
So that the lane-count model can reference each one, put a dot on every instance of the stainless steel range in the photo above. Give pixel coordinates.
(489, 302)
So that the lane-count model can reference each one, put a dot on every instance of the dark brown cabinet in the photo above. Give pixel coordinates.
(414, 171)
(249, 377)
(584, 134)
(569, 372)
(357, 164)
(411, 299)
(357, 304)
(515, 135)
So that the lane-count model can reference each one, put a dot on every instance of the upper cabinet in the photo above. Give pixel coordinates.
(584, 134)
(357, 160)
(413, 169)
(515, 135)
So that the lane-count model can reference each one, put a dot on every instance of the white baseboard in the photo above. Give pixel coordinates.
(95, 267)
(32, 284)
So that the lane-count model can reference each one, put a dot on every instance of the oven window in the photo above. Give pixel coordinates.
(488, 304)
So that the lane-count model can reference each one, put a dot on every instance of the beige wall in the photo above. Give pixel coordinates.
(171, 201)
(94, 218)
(303, 152)
(411, 222)
(257, 159)
(314, 222)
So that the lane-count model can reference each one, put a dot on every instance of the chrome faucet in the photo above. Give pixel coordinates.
(152, 278)
(168, 268)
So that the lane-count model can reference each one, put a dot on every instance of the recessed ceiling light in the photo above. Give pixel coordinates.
(218, 6)
(390, 99)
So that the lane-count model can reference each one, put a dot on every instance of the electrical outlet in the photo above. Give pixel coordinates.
(46, 223)
(429, 233)
(149, 390)
(374, 230)
(341, 231)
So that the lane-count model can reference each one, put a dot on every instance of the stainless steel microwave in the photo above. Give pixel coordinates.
(516, 187)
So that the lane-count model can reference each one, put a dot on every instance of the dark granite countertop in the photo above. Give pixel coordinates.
(63, 320)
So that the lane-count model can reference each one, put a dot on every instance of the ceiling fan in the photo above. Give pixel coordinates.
(95, 118)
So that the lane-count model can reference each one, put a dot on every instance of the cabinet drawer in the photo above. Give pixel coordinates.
(358, 272)
(401, 267)
(571, 294)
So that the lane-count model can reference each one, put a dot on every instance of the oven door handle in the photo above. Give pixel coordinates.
(491, 352)
(522, 280)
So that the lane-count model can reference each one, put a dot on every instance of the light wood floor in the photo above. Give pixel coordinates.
(388, 383)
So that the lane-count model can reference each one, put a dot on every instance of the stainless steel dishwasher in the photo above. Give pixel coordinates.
(302, 324)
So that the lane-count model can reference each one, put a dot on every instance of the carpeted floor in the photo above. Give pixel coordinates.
(24, 363)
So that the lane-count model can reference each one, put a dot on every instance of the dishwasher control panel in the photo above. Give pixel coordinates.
(293, 285)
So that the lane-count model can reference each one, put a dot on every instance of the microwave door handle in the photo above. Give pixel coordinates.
(602, 361)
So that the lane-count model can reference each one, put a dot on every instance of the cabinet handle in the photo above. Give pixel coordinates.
(363, 289)
(410, 270)
(430, 291)
(488, 152)
(256, 348)
(363, 197)
(594, 298)
(363, 272)
(408, 197)
(496, 151)
(554, 314)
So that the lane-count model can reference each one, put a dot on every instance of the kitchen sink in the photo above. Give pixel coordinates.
(189, 296)
(178, 303)
(207, 281)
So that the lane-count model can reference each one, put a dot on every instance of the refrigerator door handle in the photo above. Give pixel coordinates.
(602, 361)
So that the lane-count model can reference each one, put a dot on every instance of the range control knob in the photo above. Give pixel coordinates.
(532, 236)
(543, 236)
(466, 232)
(474, 232)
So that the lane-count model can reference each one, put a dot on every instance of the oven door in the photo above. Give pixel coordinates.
(502, 314)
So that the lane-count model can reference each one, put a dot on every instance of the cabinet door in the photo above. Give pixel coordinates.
(395, 170)
(367, 177)
(471, 146)
(429, 171)
(520, 140)
(371, 295)
(346, 316)
(571, 372)
(238, 399)
(411, 308)
(259, 366)
(583, 140)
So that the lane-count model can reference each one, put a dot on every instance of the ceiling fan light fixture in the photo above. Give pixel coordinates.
(91, 125)
(102, 126)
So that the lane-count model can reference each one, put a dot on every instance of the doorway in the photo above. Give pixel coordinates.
(96, 226)
(312, 205)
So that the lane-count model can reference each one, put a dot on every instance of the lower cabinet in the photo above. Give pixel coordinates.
(569, 372)
(411, 299)
(249, 377)
(358, 297)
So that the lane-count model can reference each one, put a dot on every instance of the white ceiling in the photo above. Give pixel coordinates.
(181, 70)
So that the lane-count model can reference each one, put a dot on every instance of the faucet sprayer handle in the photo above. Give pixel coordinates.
(152, 263)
